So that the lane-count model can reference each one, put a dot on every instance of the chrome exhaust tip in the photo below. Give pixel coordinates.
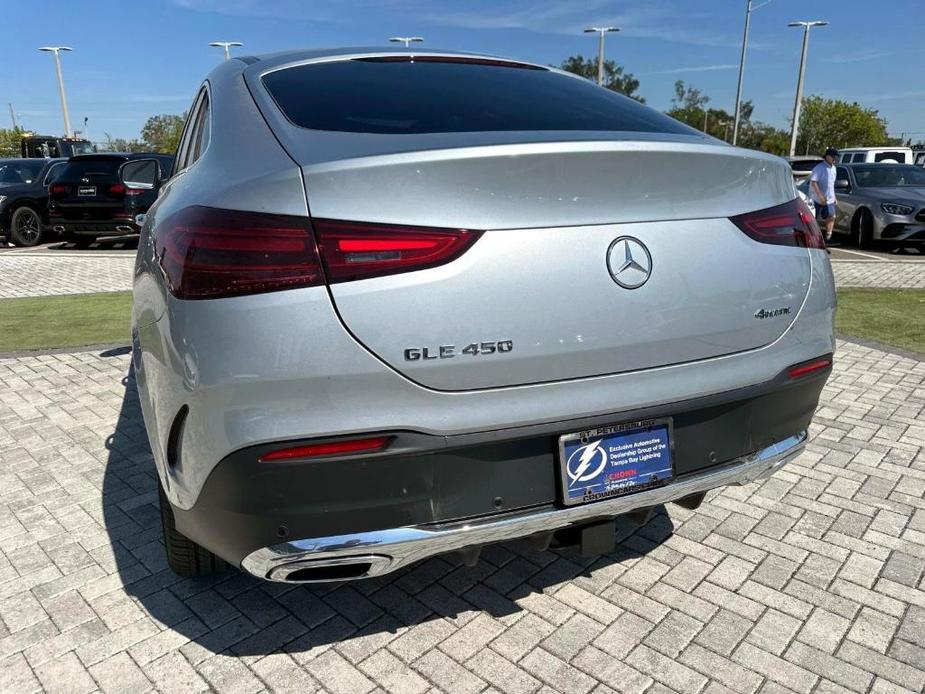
(125, 229)
(330, 569)
(58, 229)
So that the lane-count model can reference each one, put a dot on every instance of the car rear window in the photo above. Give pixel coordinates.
(400, 95)
(893, 156)
(91, 168)
(21, 171)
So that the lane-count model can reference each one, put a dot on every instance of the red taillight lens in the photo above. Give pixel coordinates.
(208, 253)
(318, 450)
(809, 367)
(133, 192)
(57, 189)
(790, 224)
(117, 189)
(353, 250)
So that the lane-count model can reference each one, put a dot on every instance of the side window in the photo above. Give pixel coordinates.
(187, 149)
(859, 157)
(844, 158)
(920, 159)
(202, 131)
(53, 172)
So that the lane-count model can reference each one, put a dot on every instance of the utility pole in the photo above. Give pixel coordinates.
(57, 51)
(705, 114)
(13, 116)
(600, 49)
(798, 102)
(226, 45)
(749, 8)
(407, 40)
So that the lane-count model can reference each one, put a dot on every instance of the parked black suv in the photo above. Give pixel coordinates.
(24, 198)
(89, 200)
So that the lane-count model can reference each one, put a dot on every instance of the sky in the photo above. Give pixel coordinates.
(131, 60)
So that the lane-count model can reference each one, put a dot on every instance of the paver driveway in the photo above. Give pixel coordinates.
(808, 582)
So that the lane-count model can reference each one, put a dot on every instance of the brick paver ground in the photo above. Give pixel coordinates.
(898, 275)
(43, 274)
(811, 581)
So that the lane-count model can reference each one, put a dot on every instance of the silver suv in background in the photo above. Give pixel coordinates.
(393, 305)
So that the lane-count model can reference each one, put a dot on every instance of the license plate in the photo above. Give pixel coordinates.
(86, 191)
(615, 460)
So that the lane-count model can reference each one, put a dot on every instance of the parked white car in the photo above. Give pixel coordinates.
(875, 155)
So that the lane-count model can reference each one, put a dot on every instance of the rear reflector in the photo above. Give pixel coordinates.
(318, 450)
(57, 189)
(208, 253)
(352, 250)
(809, 367)
(790, 224)
(117, 189)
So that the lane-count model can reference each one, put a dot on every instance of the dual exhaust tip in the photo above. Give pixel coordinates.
(125, 229)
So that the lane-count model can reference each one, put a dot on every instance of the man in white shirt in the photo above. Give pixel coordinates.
(822, 191)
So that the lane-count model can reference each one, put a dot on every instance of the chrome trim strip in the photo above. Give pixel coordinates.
(407, 545)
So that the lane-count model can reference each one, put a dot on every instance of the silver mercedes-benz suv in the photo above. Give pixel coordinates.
(395, 304)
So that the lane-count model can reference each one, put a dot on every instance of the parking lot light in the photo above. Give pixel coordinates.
(407, 40)
(57, 51)
(799, 98)
(226, 45)
(600, 49)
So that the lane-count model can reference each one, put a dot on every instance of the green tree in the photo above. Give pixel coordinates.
(615, 77)
(9, 141)
(162, 133)
(119, 144)
(836, 123)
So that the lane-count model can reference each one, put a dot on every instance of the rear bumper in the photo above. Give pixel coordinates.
(95, 228)
(425, 480)
(382, 551)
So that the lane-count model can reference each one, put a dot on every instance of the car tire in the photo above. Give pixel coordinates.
(865, 229)
(185, 557)
(26, 227)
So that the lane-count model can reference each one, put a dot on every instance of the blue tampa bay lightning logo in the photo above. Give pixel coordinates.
(586, 462)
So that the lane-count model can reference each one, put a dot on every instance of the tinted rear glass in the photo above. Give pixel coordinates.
(20, 171)
(91, 168)
(398, 96)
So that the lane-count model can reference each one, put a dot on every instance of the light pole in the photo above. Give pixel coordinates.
(57, 51)
(798, 102)
(407, 40)
(749, 8)
(13, 117)
(226, 45)
(600, 48)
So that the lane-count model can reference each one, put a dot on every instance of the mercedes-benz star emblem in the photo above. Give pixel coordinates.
(629, 262)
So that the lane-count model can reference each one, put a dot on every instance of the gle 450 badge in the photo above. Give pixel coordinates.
(615, 460)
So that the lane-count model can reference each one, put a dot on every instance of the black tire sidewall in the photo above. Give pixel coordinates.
(14, 234)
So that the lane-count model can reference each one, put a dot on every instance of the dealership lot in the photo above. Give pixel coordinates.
(810, 581)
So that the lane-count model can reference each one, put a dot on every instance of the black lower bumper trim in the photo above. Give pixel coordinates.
(245, 505)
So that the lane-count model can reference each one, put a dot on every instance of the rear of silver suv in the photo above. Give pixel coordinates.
(394, 306)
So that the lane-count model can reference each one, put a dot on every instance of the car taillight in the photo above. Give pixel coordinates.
(57, 189)
(790, 224)
(209, 253)
(117, 189)
(317, 450)
(355, 250)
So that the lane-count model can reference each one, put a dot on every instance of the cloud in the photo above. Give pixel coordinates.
(699, 68)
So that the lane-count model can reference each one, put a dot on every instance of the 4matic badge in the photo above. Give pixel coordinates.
(763, 313)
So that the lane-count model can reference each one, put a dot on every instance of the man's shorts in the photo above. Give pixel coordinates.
(823, 212)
